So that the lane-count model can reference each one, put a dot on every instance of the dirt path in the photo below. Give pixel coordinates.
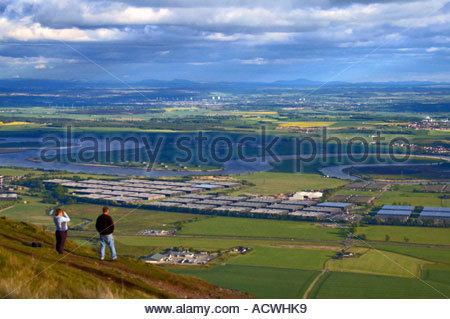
(311, 286)
(6, 208)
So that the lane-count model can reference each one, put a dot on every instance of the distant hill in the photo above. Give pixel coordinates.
(27, 272)
(51, 85)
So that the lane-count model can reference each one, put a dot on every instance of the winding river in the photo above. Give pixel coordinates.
(235, 166)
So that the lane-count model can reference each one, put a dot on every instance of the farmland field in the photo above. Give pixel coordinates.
(352, 285)
(262, 282)
(418, 235)
(248, 227)
(411, 198)
(379, 263)
(269, 183)
(311, 259)
(426, 253)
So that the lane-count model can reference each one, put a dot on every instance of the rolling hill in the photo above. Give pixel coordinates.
(28, 272)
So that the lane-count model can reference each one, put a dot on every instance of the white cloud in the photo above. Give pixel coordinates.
(24, 31)
(37, 62)
(256, 61)
(434, 49)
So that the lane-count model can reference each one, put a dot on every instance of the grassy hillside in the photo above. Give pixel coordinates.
(27, 272)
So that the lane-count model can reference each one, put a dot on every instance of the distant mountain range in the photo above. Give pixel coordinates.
(46, 84)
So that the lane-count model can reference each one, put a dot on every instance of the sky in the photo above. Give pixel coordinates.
(225, 40)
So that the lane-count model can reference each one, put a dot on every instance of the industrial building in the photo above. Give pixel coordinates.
(136, 190)
(436, 214)
(395, 212)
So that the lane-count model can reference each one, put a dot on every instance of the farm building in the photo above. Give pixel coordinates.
(154, 258)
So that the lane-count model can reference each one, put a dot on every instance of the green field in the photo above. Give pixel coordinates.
(269, 183)
(310, 259)
(249, 227)
(412, 199)
(359, 286)
(262, 282)
(427, 253)
(418, 235)
(144, 245)
(437, 273)
(379, 263)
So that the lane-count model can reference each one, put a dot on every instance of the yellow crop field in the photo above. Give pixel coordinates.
(15, 123)
(307, 124)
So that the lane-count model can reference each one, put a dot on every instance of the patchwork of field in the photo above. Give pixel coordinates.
(379, 263)
(441, 255)
(352, 285)
(294, 258)
(281, 267)
(249, 227)
(262, 282)
(412, 198)
(306, 124)
(417, 235)
(270, 183)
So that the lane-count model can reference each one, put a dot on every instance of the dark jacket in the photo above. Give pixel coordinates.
(104, 224)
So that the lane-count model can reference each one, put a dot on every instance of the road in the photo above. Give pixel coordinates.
(300, 240)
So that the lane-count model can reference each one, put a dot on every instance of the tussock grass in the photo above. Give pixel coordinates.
(27, 272)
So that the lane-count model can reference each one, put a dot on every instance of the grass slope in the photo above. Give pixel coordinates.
(27, 272)
(128, 220)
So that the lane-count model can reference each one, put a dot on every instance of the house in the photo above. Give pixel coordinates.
(154, 258)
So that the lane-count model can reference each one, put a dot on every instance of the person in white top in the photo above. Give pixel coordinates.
(61, 219)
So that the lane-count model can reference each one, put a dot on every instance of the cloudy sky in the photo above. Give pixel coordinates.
(230, 40)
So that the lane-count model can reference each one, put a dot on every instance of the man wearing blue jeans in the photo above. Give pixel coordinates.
(105, 226)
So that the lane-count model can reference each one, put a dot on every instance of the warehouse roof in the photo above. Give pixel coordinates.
(334, 204)
(435, 214)
(398, 207)
(437, 209)
(394, 212)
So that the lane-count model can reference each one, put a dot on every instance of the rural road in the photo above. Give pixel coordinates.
(302, 240)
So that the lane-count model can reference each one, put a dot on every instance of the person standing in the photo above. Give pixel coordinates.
(61, 219)
(105, 226)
